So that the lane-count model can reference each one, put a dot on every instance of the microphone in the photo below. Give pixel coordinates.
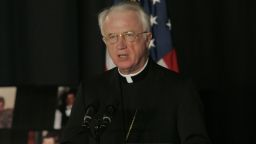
(90, 112)
(106, 120)
(107, 117)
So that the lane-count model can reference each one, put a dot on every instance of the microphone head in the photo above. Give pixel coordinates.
(91, 110)
(108, 114)
(89, 114)
(110, 110)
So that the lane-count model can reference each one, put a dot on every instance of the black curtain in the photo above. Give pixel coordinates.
(47, 43)
(216, 46)
(39, 42)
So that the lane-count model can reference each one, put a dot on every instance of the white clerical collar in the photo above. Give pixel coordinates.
(128, 77)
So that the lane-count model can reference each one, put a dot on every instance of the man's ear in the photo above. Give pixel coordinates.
(148, 38)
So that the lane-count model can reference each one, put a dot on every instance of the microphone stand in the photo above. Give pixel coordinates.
(94, 128)
(102, 124)
(88, 120)
(86, 128)
(97, 132)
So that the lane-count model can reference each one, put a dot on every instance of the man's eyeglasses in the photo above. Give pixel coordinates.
(128, 37)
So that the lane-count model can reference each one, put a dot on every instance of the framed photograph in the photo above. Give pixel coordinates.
(66, 99)
(7, 102)
(43, 137)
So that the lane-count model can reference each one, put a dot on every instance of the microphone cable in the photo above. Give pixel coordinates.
(131, 125)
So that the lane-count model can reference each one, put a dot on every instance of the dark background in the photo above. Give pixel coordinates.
(47, 43)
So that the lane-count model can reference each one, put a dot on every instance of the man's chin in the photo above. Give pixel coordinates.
(123, 64)
(124, 68)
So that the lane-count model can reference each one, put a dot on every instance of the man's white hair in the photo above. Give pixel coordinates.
(126, 6)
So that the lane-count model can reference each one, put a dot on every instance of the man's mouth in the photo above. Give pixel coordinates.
(122, 55)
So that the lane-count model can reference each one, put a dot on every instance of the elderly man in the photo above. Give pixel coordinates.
(138, 101)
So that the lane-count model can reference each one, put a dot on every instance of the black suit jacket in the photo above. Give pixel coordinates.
(158, 107)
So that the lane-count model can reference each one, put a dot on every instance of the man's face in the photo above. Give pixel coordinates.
(48, 141)
(70, 99)
(129, 57)
(1, 106)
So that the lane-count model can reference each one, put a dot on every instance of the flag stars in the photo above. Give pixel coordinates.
(152, 44)
(155, 1)
(168, 24)
(153, 20)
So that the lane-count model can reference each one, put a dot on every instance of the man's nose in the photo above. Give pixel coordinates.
(121, 43)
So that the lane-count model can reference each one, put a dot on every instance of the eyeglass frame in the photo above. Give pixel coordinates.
(123, 34)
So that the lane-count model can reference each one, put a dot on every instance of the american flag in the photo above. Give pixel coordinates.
(161, 48)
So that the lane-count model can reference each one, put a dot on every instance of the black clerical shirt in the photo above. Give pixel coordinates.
(158, 107)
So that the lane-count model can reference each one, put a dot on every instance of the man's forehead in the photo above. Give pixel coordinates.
(126, 18)
(119, 21)
(120, 12)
